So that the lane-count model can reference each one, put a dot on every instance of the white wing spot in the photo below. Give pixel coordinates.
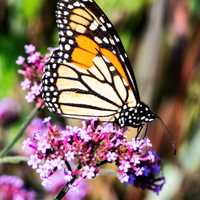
(101, 19)
(69, 33)
(122, 59)
(109, 25)
(106, 59)
(70, 6)
(112, 68)
(103, 28)
(76, 4)
(105, 40)
(117, 39)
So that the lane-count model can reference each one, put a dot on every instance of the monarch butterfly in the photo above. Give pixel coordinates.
(90, 73)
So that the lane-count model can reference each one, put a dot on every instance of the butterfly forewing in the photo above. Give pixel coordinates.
(87, 75)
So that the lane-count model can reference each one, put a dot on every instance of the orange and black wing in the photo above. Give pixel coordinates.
(90, 74)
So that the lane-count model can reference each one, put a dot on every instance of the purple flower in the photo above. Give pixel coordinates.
(124, 166)
(43, 146)
(83, 134)
(49, 164)
(139, 171)
(146, 171)
(136, 165)
(42, 170)
(20, 60)
(33, 73)
(47, 119)
(148, 142)
(156, 168)
(34, 160)
(69, 155)
(25, 84)
(134, 144)
(123, 178)
(111, 156)
(30, 97)
(151, 156)
(12, 187)
(58, 163)
(136, 160)
(36, 89)
(68, 176)
(45, 182)
(32, 58)
(88, 172)
(26, 143)
(29, 48)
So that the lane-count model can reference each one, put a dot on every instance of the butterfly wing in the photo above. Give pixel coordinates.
(90, 74)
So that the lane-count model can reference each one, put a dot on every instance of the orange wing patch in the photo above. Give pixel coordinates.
(114, 60)
(84, 54)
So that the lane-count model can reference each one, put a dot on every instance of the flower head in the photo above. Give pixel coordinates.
(12, 187)
(29, 48)
(33, 73)
(93, 146)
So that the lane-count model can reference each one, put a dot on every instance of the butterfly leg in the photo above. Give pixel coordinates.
(145, 131)
(139, 129)
(107, 121)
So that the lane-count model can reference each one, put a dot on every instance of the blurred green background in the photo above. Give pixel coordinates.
(162, 39)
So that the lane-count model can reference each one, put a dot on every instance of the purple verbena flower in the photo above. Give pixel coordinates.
(69, 155)
(43, 146)
(26, 143)
(36, 89)
(12, 187)
(68, 176)
(46, 120)
(91, 147)
(33, 73)
(30, 97)
(111, 156)
(88, 172)
(25, 84)
(42, 170)
(29, 48)
(34, 160)
(124, 166)
(20, 60)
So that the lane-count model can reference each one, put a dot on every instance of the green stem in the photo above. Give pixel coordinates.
(14, 159)
(20, 133)
(66, 188)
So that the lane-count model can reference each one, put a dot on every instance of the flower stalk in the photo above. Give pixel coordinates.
(20, 133)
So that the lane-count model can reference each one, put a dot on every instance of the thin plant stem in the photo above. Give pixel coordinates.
(66, 188)
(14, 159)
(20, 133)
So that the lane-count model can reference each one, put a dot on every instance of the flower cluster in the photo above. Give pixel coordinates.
(33, 72)
(93, 147)
(12, 187)
(9, 111)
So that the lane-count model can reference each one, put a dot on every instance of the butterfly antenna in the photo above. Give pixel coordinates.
(169, 135)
